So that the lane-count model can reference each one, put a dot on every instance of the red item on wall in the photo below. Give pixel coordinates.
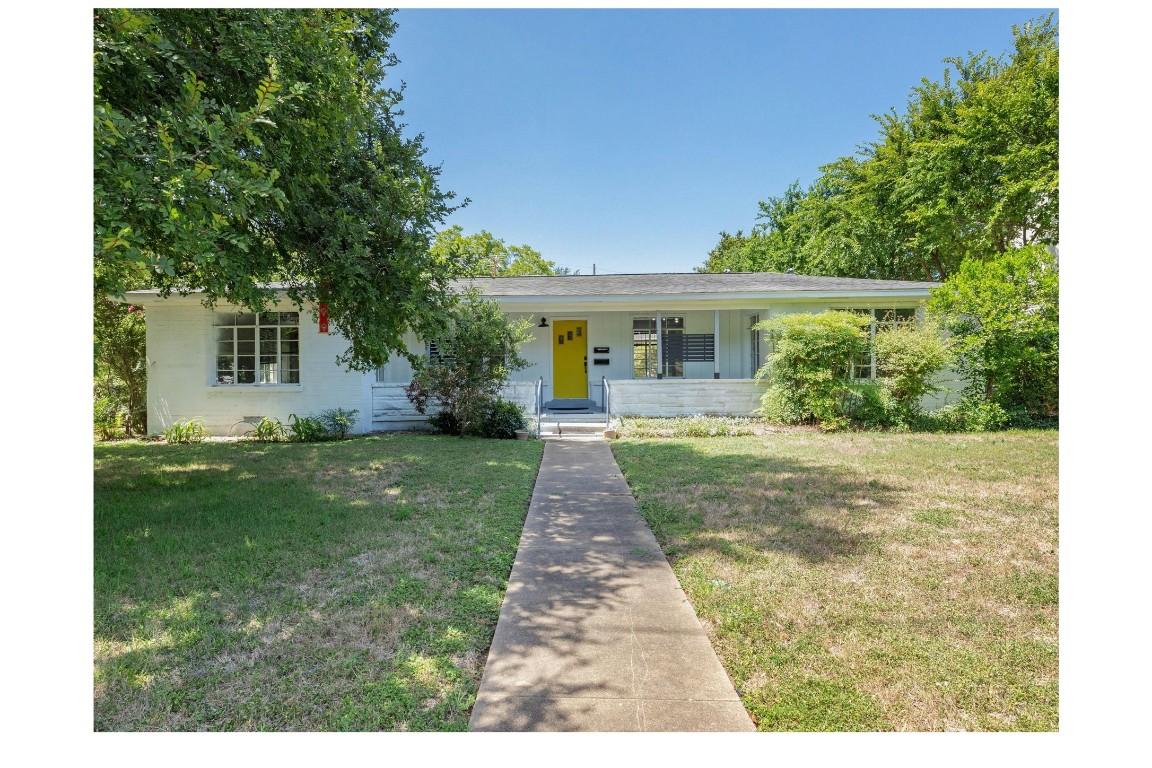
(323, 318)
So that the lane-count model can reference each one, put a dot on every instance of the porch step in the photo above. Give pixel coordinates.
(581, 404)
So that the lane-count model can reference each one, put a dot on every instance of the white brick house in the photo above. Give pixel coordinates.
(667, 344)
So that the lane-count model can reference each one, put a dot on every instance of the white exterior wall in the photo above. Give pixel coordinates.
(684, 397)
(613, 329)
(181, 374)
(181, 339)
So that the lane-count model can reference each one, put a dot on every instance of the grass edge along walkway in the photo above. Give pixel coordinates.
(595, 633)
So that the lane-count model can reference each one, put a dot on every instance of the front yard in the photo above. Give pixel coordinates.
(868, 581)
(330, 586)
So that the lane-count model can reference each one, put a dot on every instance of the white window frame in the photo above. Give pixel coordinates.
(879, 322)
(274, 348)
(650, 366)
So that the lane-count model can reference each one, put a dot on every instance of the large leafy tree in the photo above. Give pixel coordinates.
(970, 170)
(485, 255)
(1004, 317)
(239, 147)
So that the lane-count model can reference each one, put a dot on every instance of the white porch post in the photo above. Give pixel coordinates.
(716, 344)
(659, 347)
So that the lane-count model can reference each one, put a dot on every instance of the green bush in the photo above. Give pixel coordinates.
(500, 420)
(1004, 314)
(971, 414)
(478, 351)
(338, 422)
(186, 431)
(108, 417)
(269, 430)
(907, 357)
(869, 404)
(306, 429)
(808, 369)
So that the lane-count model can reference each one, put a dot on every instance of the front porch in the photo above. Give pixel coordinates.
(391, 408)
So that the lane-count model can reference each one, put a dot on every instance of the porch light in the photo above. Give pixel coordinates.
(543, 323)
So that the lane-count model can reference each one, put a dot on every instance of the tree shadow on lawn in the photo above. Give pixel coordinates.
(255, 587)
(743, 504)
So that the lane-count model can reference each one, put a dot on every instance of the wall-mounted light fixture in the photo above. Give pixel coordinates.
(543, 323)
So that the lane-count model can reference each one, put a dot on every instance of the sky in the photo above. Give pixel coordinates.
(629, 139)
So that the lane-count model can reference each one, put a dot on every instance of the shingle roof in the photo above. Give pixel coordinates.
(661, 284)
(678, 283)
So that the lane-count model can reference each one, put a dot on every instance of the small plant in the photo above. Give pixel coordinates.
(306, 429)
(186, 431)
(269, 430)
(338, 421)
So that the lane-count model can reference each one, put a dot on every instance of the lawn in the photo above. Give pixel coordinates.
(868, 581)
(329, 586)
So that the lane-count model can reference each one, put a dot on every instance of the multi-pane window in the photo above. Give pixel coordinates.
(865, 367)
(259, 348)
(644, 341)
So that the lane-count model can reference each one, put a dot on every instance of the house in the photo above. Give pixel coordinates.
(664, 344)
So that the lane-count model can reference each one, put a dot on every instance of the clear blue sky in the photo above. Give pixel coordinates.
(630, 139)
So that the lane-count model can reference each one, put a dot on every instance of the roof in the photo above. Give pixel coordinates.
(679, 283)
(700, 286)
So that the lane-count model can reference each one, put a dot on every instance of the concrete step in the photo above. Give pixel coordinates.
(567, 427)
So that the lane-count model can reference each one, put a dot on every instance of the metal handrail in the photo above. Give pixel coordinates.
(539, 404)
(607, 403)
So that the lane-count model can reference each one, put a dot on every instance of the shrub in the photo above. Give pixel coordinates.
(808, 367)
(1004, 314)
(502, 420)
(869, 404)
(338, 422)
(186, 431)
(269, 430)
(907, 357)
(478, 351)
(970, 414)
(108, 417)
(306, 429)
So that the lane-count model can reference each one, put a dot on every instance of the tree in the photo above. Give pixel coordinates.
(969, 170)
(485, 255)
(477, 352)
(1004, 315)
(234, 148)
(120, 377)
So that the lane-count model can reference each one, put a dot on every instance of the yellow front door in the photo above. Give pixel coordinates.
(570, 358)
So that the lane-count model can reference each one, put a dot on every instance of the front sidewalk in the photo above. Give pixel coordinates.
(595, 633)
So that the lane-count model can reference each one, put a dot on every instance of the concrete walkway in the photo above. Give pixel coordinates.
(595, 633)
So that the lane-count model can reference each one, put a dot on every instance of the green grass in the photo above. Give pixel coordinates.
(868, 581)
(332, 586)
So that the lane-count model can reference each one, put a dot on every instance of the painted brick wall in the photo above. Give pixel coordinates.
(181, 375)
(727, 397)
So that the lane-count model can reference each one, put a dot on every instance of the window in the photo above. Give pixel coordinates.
(258, 349)
(864, 367)
(436, 356)
(644, 340)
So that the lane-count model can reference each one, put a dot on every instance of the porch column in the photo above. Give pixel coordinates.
(716, 344)
(659, 347)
